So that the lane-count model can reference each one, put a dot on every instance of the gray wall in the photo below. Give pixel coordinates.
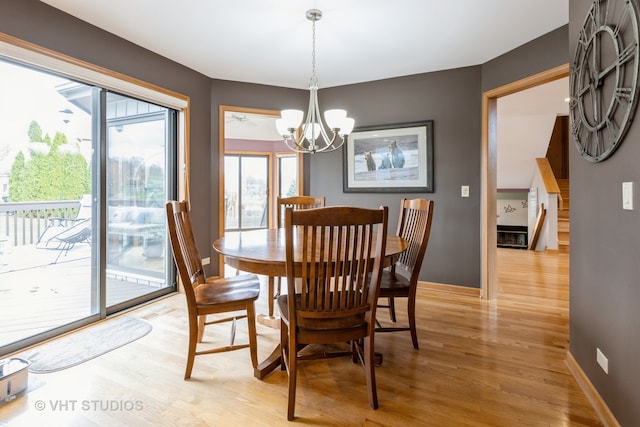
(538, 55)
(604, 239)
(605, 272)
(452, 100)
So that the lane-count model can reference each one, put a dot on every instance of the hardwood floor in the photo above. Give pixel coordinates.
(480, 363)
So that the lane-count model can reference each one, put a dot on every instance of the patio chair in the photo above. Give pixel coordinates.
(62, 233)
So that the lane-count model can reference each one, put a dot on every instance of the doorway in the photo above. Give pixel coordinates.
(250, 135)
(488, 226)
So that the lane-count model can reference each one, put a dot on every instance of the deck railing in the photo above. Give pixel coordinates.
(22, 223)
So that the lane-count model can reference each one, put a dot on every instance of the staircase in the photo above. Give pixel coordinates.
(563, 216)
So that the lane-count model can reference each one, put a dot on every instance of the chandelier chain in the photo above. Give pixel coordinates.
(314, 79)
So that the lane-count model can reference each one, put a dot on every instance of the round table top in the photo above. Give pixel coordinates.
(263, 251)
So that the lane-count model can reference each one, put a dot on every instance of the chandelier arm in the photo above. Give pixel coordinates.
(298, 143)
(331, 146)
(323, 132)
(296, 148)
(312, 114)
(301, 141)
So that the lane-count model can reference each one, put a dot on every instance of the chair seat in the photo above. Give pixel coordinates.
(393, 285)
(244, 287)
(354, 324)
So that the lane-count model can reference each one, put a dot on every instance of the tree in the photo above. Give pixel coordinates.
(293, 189)
(35, 132)
(18, 171)
(55, 175)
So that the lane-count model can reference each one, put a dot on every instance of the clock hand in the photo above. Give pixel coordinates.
(606, 71)
(623, 56)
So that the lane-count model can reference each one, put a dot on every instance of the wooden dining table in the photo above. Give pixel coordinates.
(263, 252)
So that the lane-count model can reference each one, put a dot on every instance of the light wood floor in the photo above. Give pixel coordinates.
(480, 363)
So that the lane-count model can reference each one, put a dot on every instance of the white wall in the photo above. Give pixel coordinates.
(525, 123)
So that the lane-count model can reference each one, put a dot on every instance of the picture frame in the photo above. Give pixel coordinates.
(395, 158)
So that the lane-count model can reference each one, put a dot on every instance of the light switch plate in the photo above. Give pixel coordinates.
(627, 196)
(464, 191)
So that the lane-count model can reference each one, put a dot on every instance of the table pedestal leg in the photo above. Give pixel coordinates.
(270, 294)
(270, 320)
(269, 364)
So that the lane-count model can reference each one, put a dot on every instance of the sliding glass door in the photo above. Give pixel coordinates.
(47, 178)
(138, 141)
(84, 176)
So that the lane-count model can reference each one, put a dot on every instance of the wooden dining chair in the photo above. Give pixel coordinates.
(400, 280)
(338, 253)
(297, 203)
(209, 295)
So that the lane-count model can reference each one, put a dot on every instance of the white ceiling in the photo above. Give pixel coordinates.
(269, 41)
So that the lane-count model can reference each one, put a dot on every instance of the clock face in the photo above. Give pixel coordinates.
(604, 76)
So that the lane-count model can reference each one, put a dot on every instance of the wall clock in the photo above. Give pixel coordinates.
(604, 78)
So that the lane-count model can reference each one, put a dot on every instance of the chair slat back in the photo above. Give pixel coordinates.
(185, 252)
(340, 255)
(297, 203)
(414, 225)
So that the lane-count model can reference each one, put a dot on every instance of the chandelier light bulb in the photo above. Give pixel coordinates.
(292, 118)
(347, 126)
(335, 118)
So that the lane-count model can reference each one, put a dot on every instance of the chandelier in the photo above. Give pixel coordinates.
(314, 128)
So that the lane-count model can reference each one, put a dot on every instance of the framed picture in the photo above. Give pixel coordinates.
(389, 159)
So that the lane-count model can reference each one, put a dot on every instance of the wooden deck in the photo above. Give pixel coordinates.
(42, 289)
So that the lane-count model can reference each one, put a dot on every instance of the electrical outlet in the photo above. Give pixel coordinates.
(602, 361)
(206, 261)
(464, 191)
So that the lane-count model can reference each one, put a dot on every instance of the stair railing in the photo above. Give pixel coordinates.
(548, 193)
